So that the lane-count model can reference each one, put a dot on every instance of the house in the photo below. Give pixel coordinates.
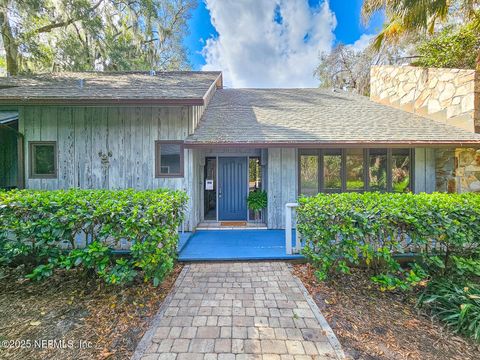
(183, 130)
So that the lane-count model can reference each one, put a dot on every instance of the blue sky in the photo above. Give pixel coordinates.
(349, 26)
(238, 28)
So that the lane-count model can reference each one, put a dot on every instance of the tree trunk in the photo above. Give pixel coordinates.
(478, 61)
(9, 44)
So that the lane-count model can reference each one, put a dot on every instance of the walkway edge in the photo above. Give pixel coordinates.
(332, 338)
(152, 326)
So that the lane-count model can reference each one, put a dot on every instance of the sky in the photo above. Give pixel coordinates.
(272, 43)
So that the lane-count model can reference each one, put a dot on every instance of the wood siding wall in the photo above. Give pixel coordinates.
(424, 168)
(282, 184)
(128, 133)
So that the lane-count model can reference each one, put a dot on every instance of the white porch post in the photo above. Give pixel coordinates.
(288, 229)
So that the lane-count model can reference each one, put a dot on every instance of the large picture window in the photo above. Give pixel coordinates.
(43, 159)
(168, 158)
(338, 170)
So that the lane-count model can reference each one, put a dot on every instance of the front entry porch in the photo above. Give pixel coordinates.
(245, 244)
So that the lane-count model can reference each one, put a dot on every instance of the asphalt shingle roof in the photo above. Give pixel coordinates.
(107, 86)
(315, 116)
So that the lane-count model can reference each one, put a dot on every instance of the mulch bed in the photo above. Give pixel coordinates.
(109, 320)
(381, 325)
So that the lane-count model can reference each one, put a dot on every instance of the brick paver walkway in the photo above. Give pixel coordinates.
(233, 311)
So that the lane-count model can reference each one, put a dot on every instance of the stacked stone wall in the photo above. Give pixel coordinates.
(450, 96)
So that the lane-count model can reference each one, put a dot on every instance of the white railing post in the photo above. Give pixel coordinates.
(289, 207)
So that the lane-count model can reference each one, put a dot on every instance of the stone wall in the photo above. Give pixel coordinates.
(450, 96)
(457, 170)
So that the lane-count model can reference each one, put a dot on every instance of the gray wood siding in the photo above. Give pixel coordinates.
(281, 184)
(128, 133)
(424, 170)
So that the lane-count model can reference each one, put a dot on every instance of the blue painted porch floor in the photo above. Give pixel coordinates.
(216, 245)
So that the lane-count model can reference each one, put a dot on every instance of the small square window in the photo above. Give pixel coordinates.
(43, 159)
(168, 158)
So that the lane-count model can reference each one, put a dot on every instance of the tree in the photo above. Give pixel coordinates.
(45, 35)
(452, 47)
(411, 16)
(345, 68)
(349, 69)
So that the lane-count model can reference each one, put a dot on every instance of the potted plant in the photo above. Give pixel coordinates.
(257, 201)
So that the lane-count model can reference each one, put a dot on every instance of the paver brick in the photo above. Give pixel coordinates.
(180, 345)
(223, 345)
(274, 346)
(294, 347)
(208, 332)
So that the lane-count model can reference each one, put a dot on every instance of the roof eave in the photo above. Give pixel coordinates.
(104, 101)
(333, 144)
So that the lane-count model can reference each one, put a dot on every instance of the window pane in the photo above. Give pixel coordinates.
(308, 175)
(401, 170)
(255, 174)
(44, 159)
(170, 159)
(332, 169)
(354, 166)
(377, 169)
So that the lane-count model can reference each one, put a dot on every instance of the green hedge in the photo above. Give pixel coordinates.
(344, 230)
(36, 225)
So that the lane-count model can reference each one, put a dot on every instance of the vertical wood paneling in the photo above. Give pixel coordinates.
(66, 142)
(282, 184)
(116, 143)
(430, 170)
(424, 170)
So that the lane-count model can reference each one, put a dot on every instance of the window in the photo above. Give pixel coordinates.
(309, 174)
(332, 170)
(43, 159)
(355, 169)
(401, 170)
(377, 170)
(337, 170)
(168, 158)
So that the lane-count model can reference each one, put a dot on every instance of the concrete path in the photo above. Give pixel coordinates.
(233, 311)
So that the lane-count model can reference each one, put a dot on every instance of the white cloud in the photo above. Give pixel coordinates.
(362, 42)
(254, 50)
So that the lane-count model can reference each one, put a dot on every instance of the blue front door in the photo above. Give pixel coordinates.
(232, 188)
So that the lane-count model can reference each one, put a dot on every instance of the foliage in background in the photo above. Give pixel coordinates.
(452, 47)
(36, 227)
(42, 36)
(348, 68)
(407, 17)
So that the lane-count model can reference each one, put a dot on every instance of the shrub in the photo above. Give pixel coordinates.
(36, 227)
(457, 306)
(343, 230)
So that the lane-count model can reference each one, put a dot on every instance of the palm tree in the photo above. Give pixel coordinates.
(410, 16)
